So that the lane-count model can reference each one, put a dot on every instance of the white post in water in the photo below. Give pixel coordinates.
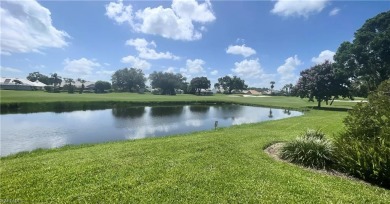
(216, 124)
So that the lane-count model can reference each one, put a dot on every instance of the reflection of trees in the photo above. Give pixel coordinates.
(166, 110)
(270, 113)
(287, 111)
(199, 109)
(128, 112)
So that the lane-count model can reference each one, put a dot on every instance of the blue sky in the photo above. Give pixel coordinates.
(259, 41)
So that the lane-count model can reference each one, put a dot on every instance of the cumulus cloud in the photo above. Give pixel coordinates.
(80, 66)
(240, 50)
(10, 69)
(179, 22)
(136, 62)
(334, 12)
(323, 56)
(195, 66)
(298, 8)
(248, 68)
(214, 72)
(119, 12)
(146, 52)
(286, 71)
(170, 70)
(26, 26)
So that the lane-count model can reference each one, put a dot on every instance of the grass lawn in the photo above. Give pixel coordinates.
(223, 166)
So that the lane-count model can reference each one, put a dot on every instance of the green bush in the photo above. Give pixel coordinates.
(311, 149)
(363, 150)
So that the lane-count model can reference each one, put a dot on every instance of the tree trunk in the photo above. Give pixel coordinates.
(319, 104)
(332, 101)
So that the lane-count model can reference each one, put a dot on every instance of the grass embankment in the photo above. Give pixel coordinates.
(24, 98)
(226, 165)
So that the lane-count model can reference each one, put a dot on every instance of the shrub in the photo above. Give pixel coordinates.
(311, 149)
(48, 89)
(363, 150)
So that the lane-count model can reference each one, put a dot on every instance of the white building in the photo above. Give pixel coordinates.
(9, 83)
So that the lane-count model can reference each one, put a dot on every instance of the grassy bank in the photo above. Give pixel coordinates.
(23, 98)
(222, 166)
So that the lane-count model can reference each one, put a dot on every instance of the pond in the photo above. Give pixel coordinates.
(26, 132)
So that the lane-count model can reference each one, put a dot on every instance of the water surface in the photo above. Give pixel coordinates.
(26, 132)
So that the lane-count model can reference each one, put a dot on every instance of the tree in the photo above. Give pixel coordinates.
(199, 83)
(55, 79)
(69, 86)
(36, 76)
(101, 86)
(131, 80)
(272, 86)
(167, 82)
(367, 58)
(228, 84)
(321, 83)
(82, 81)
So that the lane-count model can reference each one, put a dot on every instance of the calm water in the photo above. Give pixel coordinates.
(25, 132)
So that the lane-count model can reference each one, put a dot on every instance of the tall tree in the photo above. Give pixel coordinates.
(131, 80)
(101, 86)
(321, 83)
(36, 76)
(167, 82)
(69, 85)
(82, 81)
(199, 83)
(367, 58)
(229, 84)
(55, 79)
(272, 86)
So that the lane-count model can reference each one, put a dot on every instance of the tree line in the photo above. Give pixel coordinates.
(358, 68)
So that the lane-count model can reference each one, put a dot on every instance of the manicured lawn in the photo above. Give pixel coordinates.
(223, 166)
(44, 97)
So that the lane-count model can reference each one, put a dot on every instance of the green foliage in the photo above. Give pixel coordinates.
(55, 79)
(128, 80)
(367, 58)
(199, 83)
(36, 76)
(167, 82)
(101, 86)
(311, 149)
(229, 84)
(321, 83)
(363, 150)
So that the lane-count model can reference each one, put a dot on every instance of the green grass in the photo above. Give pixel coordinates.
(223, 166)
(14, 97)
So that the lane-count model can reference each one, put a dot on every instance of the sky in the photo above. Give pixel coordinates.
(258, 41)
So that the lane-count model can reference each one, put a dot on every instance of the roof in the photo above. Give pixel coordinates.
(254, 92)
(11, 81)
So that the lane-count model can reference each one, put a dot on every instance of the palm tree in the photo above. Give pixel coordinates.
(82, 81)
(272, 86)
(55, 79)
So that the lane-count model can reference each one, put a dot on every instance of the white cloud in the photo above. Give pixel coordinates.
(145, 52)
(323, 56)
(120, 13)
(170, 70)
(191, 9)
(136, 62)
(26, 26)
(175, 23)
(240, 50)
(334, 12)
(214, 72)
(80, 66)
(286, 71)
(298, 8)
(248, 68)
(195, 66)
(10, 69)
